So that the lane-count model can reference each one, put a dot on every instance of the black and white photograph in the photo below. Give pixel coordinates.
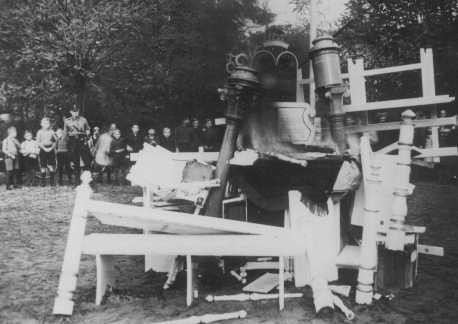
(228, 161)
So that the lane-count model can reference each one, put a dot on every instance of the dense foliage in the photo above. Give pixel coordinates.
(119, 60)
(390, 32)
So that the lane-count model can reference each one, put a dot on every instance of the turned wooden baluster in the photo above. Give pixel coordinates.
(402, 188)
(368, 259)
(63, 304)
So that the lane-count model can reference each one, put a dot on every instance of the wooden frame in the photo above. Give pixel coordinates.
(356, 77)
(252, 240)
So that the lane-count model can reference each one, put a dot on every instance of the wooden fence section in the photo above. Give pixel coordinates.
(356, 77)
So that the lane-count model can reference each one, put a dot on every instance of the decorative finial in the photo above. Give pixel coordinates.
(408, 114)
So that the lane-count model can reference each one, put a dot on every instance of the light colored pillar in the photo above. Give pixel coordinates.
(368, 258)
(63, 304)
(395, 239)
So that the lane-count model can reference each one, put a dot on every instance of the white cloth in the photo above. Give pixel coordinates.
(155, 167)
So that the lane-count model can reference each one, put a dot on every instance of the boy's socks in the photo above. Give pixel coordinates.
(9, 179)
(43, 179)
(52, 179)
(18, 178)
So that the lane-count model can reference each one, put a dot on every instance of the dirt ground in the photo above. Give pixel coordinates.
(33, 230)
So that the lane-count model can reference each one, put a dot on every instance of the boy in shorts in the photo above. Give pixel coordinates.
(10, 149)
(46, 140)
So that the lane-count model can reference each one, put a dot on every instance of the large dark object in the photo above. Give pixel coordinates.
(326, 63)
(330, 89)
(240, 93)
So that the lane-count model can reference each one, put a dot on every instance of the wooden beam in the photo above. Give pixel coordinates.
(387, 149)
(437, 152)
(386, 70)
(195, 245)
(200, 156)
(189, 285)
(400, 103)
(173, 222)
(418, 123)
(430, 249)
(393, 69)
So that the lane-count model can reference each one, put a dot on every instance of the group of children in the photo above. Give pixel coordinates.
(68, 149)
(47, 153)
(50, 153)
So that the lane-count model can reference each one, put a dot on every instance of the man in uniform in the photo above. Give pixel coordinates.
(75, 127)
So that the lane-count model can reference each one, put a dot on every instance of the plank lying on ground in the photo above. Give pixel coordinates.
(420, 123)
(399, 103)
(158, 220)
(195, 245)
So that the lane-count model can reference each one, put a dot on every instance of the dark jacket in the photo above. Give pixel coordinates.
(209, 139)
(167, 143)
(118, 151)
(117, 146)
(135, 142)
(196, 139)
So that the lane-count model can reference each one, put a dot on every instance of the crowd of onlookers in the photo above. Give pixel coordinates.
(61, 153)
(65, 151)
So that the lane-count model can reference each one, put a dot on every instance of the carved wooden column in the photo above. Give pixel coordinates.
(396, 232)
(63, 304)
(368, 257)
(397, 258)
(240, 93)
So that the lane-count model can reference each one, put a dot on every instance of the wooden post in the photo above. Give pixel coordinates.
(357, 85)
(105, 275)
(312, 36)
(395, 239)
(147, 205)
(368, 258)
(281, 282)
(63, 303)
(299, 86)
(429, 90)
(189, 285)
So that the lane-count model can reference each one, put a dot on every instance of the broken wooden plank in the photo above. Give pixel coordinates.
(158, 220)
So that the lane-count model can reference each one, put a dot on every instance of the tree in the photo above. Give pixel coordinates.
(126, 59)
(389, 32)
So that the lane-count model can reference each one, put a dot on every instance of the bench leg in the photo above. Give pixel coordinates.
(189, 291)
(105, 275)
(173, 272)
(281, 282)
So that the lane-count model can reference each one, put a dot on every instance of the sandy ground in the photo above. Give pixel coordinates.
(33, 230)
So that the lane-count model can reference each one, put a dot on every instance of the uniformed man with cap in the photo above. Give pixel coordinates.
(75, 127)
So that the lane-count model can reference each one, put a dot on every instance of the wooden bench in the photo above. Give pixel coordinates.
(181, 234)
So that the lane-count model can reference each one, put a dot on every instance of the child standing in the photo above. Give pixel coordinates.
(10, 148)
(117, 152)
(102, 158)
(63, 157)
(30, 151)
(46, 140)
